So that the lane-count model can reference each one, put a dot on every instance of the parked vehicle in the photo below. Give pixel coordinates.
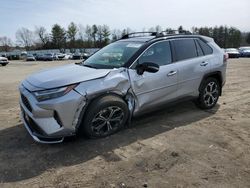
(4, 61)
(49, 57)
(60, 56)
(77, 55)
(127, 78)
(30, 57)
(85, 56)
(244, 51)
(39, 57)
(67, 56)
(232, 52)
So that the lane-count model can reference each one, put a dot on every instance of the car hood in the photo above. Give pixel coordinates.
(233, 52)
(3, 58)
(62, 76)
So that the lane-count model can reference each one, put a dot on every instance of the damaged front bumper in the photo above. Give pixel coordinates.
(36, 133)
(50, 121)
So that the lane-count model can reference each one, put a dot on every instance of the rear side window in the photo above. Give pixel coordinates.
(184, 49)
(205, 47)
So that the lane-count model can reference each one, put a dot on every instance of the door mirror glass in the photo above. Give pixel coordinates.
(147, 67)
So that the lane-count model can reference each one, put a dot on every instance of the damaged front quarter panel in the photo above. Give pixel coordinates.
(116, 82)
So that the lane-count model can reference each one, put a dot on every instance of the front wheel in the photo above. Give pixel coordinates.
(104, 117)
(209, 93)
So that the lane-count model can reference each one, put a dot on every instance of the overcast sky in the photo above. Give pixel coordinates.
(119, 14)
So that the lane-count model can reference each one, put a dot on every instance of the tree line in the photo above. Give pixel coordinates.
(225, 37)
(97, 36)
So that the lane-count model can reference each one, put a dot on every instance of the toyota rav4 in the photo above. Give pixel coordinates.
(131, 76)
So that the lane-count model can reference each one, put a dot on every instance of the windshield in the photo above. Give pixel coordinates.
(246, 49)
(114, 55)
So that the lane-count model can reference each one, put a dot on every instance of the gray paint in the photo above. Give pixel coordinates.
(141, 92)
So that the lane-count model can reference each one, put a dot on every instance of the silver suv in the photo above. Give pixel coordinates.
(134, 75)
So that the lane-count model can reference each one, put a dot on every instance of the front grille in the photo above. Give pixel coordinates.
(26, 102)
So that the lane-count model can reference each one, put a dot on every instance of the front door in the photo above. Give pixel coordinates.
(152, 89)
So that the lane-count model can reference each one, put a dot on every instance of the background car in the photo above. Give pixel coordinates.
(244, 51)
(68, 56)
(232, 52)
(49, 57)
(30, 57)
(39, 57)
(85, 55)
(3, 61)
(60, 56)
(77, 55)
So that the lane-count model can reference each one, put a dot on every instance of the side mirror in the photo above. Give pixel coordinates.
(147, 67)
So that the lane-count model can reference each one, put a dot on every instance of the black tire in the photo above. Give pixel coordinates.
(4, 64)
(97, 121)
(209, 93)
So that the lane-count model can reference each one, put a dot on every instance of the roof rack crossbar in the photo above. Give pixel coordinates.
(156, 34)
(135, 34)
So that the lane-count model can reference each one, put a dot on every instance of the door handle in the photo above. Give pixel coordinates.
(172, 73)
(204, 64)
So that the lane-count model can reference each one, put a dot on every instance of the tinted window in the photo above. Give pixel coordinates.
(184, 49)
(159, 53)
(198, 48)
(205, 47)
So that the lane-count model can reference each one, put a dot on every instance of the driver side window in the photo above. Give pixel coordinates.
(159, 53)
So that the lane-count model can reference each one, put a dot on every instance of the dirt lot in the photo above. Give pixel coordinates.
(179, 146)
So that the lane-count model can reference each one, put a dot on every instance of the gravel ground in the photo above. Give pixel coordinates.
(179, 146)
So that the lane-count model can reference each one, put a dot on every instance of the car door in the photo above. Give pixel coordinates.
(191, 64)
(152, 89)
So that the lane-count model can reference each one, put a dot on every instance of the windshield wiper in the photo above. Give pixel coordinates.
(90, 66)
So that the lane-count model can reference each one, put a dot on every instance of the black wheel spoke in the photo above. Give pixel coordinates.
(107, 120)
(211, 94)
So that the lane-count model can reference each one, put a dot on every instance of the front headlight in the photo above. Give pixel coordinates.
(53, 93)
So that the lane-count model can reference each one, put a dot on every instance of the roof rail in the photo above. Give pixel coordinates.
(173, 32)
(139, 34)
(156, 34)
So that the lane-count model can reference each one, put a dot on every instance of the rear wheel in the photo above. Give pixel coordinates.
(104, 117)
(209, 93)
(4, 64)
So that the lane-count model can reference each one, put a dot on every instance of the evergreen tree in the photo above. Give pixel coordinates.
(71, 33)
(58, 36)
(248, 38)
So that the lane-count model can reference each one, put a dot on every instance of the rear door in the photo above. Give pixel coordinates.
(192, 65)
(152, 89)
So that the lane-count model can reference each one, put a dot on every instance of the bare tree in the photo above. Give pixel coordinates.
(88, 33)
(99, 34)
(158, 28)
(25, 37)
(5, 44)
(116, 34)
(42, 35)
(81, 32)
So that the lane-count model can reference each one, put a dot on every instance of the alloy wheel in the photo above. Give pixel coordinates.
(107, 120)
(211, 94)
